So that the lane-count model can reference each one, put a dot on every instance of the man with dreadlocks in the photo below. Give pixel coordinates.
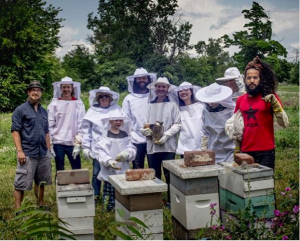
(257, 107)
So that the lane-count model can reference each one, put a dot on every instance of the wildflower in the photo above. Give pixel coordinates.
(212, 205)
(282, 193)
(285, 237)
(276, 213)
(212, 213)
(222, 227)
(214, 227)
(296, 209)
(287, 189)
(228, 237)
(280, 224)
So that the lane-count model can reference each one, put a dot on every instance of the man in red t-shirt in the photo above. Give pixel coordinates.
(258, 106)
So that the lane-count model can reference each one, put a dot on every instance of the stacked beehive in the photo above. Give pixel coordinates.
(75, 202)
(240, 185)
(193, 189)
(141, 199)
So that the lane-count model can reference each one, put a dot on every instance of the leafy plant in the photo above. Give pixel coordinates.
(31, 222)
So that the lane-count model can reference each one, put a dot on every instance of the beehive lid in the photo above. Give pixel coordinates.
(177, 168)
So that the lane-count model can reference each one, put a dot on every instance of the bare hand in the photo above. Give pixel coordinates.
(21, 157)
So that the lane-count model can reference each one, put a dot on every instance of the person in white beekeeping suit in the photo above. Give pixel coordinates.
(103, 102)
(234, 80)
(191, 117)
(219, 108)
(133, 106)
(115, 152)
(65, 114)
(163, 124)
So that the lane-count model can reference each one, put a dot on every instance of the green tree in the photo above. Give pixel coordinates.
(80, 64)
(256, 40)
(134, 29)
(28, 34)
(216, 58)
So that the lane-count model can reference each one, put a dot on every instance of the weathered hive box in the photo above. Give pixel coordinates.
(141, 199)
(192, 190)
(193, 212)
(252, 182)
(262, 205)
(194, 180)
(77, 176)
(75, 200)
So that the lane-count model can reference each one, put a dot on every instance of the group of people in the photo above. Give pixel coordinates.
(232, 115)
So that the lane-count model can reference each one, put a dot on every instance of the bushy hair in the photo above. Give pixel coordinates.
(268, 79)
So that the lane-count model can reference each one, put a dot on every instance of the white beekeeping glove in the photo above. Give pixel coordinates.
(86, 154)
(122, 156)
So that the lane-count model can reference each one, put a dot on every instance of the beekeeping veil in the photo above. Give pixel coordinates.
(94, 96)
(184, 86)
(140, 72)
(57, 93)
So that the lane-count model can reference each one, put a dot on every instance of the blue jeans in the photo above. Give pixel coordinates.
(95, 182)
(60, 152)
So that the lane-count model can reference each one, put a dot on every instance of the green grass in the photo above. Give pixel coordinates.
(286, 171)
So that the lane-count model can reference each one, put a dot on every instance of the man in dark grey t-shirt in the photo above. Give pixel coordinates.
(31, 137)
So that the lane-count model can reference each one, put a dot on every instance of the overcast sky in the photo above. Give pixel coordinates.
(210, 18)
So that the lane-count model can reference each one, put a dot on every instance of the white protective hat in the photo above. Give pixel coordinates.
(66, 81)
(139, 72)
(213, 93)
(93, 98)
(184, 86)
(230, 73)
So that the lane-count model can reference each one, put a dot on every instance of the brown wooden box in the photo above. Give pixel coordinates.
(199, 158)
(78, 176)
(140, 202)
(239, 158)
(140, 174)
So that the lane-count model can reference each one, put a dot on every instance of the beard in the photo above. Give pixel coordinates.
(34, 102)
(254, 91)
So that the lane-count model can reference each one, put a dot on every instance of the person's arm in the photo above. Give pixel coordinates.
(48, 141)
(126, 108)
(51, 120)
(281, 116)
(17, 140)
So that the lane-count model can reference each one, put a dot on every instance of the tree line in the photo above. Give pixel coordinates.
(126, 34)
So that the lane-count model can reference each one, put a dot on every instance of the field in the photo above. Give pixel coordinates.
(286, 171)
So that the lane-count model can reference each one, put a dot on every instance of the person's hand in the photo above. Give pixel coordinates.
(274, 102)
(52, 152)
(122, 156)
(204, 143)
(21, 157)
(112, 164)
(146, 131)
(86, 154)
(162, 140)
(76, 151)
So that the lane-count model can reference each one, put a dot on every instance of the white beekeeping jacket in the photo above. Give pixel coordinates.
(65, 116)
(191, 121)
(92, 127)
(169, 114)
(107, 148)
(133, 107)
(214, 128)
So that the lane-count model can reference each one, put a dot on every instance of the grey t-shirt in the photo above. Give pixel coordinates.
(122, 134)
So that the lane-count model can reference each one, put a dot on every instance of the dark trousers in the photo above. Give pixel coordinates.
(95, 182)
(109, 196)
(60, 152)
(139, 161)
(155, 162)
(264, 158)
